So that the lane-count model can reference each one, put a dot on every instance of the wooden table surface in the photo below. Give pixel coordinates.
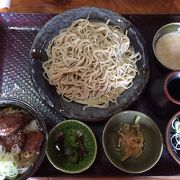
(120, 6)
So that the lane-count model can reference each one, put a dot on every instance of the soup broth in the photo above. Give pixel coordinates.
(174, 89)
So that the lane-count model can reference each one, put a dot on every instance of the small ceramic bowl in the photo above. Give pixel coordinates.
(21, 105)
(172, 87)
(72, 155)
(173, 137)
(164, 48)
(152, 145)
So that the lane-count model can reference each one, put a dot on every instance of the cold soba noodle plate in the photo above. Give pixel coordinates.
(91, 63)
(89, 58)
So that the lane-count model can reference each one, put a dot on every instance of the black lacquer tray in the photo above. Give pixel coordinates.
(17, 32)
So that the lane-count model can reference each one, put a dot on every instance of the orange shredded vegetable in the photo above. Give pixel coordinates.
(131, 140)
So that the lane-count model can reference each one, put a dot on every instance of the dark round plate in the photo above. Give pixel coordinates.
(48, 92)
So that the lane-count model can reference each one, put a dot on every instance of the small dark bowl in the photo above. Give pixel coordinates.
(4, 103)
(163, 94)
(75, 110)
(172, 87)
(169, 133)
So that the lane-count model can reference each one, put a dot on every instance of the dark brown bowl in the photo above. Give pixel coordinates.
(172, 87)
(169, 133)
(35, 114)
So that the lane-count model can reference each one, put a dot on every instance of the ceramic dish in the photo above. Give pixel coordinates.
(166, 45)
(75, 110)
(77, 143)
(173, 137)
(17, 104)
(152, 143)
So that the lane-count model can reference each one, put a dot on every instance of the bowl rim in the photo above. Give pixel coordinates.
(94, 139)
(156, 38)
(169, 147)
(27, 106)
(157, 128)
(171, 74)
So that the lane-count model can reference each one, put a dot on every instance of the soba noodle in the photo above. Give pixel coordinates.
(91, 63)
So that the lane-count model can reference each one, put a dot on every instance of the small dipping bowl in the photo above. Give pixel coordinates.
(166, 45)
(173, 137)
(164, 96)
(172, 87)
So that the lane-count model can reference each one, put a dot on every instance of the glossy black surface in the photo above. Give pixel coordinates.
(17, 32)
(173, 87)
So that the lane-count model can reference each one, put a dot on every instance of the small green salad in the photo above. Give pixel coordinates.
(71, 147)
